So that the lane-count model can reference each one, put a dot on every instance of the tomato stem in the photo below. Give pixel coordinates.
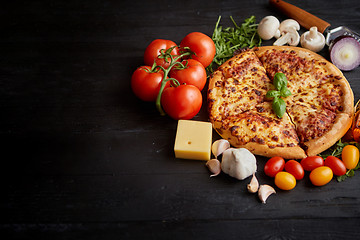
(173, 62)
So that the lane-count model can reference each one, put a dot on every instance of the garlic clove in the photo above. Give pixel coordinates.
(219, 146)
(253, 186)
(214, 166)
(265, 191)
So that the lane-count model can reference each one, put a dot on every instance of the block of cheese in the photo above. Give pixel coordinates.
(193, 140)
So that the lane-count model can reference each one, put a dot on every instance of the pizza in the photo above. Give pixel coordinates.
(318, 112)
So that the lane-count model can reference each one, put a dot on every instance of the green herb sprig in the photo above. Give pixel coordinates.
(278, 104)
(229, 39)
(336, 151)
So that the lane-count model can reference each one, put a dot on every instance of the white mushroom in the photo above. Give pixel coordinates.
(289, 35)
(239, 163)
(268, 27)
(313, 40)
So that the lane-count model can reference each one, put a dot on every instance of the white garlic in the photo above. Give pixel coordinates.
(219, 146)
(253, 186)
(214, 166)
(265, 191)
(239, 163)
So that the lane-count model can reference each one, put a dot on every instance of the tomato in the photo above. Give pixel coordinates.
(153, 51)
(285, 180)
(145, 84)
(336, 165)
(202, 45)
(182, 102)
(312, 162)
(321, 176)
(194, 73)
(350, 156)
(274, 165)
(295, 168)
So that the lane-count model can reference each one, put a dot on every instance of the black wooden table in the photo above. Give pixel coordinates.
(83, 158)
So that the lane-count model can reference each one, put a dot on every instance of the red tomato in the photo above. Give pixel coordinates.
(321, 176)
(153, 50)
(202, 45)
(146, 85)
(273, 166)
(295, 168)
(182, 102)
(194, 74)
(312, 162)
(350, 156)
(336, 165)
(285, 180)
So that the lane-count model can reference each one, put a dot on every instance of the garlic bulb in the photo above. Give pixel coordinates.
(239, 163)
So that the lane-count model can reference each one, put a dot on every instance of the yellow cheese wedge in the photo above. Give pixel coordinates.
(193, 140)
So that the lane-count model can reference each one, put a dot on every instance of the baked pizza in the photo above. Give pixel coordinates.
(318, 113)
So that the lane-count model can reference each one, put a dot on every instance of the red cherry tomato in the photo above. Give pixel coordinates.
(202, 45)
(321, 176)
(274, 165)
(193, 74)
(285, 180)
(350, 156)
(145, 84)
(295, 168)
(153, 51)
(182, 102)
(312, 162)
(336, 165)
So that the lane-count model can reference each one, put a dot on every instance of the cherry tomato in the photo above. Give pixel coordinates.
(350, 156)
(274, 165)
(202, 45)
(153, 51)
(295, 168)
(145, 84)
(321, 176)
(336, 165)
(182, 102)
(285, 180)
(193, 74)
(312, 162)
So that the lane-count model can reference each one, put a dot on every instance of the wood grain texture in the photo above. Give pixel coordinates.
(83, 158)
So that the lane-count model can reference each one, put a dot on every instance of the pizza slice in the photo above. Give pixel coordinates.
(238, 85)
(303, 68)
(261, 132)
(322, 115)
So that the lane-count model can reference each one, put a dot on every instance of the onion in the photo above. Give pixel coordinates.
(345, 53)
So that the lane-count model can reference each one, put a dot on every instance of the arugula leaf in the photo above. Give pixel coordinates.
(228, 40)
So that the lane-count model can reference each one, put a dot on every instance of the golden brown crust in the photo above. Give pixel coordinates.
(319, 111)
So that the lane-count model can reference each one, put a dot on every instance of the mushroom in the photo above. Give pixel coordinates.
(219, 146)
(269, 28)
(289, 35)
(313, 40)
(239, 163)
(265, 191)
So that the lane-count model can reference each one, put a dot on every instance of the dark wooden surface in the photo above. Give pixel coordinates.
(83, 158)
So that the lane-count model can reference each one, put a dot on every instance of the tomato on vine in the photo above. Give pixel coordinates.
(153, 52)
(181, 102)
(146, 83)
(191, 72)
(202, 45)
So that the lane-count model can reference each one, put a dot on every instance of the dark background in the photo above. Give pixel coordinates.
(83, 158)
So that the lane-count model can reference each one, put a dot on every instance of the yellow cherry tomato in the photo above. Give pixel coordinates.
(285, 180)
(321, 176)
(350, 156)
